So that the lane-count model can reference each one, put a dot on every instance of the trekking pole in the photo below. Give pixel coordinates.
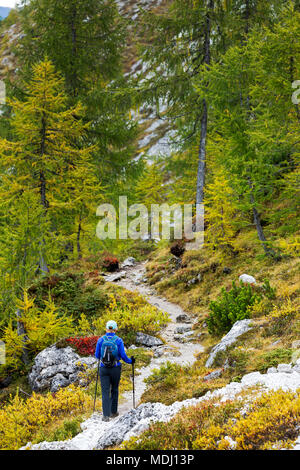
(96, 384)
(133, 391)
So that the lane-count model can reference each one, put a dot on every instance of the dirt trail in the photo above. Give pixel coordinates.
(176, 351)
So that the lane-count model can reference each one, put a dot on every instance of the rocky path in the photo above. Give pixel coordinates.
(97, 434)
(177, 348)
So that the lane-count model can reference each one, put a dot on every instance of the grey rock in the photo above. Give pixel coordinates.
(59, 381)
(54, 368)
(128, 262)
(296, 344)
(272, 370)
(246, 279)
(226, 270)
(240, 327)
(115, 277)
(213, 375)
(159, 351)
(287, 368)
(183, 318)
(182, 329)
(147, 340)
(195, 280)
(134, 419)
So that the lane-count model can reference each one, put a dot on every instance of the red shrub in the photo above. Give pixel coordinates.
(84, 346)
(110, 263)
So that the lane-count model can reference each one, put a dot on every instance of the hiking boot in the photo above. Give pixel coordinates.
(114, 415)
(105, 418)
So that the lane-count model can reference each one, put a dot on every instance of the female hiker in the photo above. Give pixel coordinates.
(109, 351)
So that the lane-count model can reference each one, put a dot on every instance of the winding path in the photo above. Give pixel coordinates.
(174, 351)
(184, 353)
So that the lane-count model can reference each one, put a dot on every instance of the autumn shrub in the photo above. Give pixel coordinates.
(174, 382)
(165, 376)
(182, 430)
(110, 263)
(271, 421)
(85, 346)
(21, 420)
(130, 320)
(43, 328)
(280, 318)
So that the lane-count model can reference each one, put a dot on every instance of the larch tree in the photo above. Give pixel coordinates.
(48, 153)
(85, 40)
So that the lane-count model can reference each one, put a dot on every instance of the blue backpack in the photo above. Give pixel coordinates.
(109, 351)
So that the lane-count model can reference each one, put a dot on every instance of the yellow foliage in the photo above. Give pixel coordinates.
(13, 346)
(43, 327)
(20, 419)
(286, 310)
(84, 327)
(146, 318)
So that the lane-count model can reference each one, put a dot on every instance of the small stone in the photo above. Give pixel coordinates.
(115, 277)
(272, 370)
(227, 270)
(129, 262)
(287, 368)
(246, 279)
(182, 329)
(195, 280)
(159, 351)
(213, 375)
(183, 318)
(296, 344)
(147, 340)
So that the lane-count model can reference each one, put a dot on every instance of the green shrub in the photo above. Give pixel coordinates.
(70, 294)
(166, 376)
(231, 307)
(273, 358)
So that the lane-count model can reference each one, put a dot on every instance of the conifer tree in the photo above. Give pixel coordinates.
(237, 96)
(48, 156)
(220, 211)
(85, 40)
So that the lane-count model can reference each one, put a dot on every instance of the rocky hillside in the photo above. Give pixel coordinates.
(156, 134)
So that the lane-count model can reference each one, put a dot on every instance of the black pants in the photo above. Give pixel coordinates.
(110, 379)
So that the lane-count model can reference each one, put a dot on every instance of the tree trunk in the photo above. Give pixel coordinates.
(203, 137)
(269, 251)
(78, 240)
(42, 265)
(202, 157)
(21, 331)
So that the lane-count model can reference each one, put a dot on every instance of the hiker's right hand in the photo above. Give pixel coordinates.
(132, 360)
